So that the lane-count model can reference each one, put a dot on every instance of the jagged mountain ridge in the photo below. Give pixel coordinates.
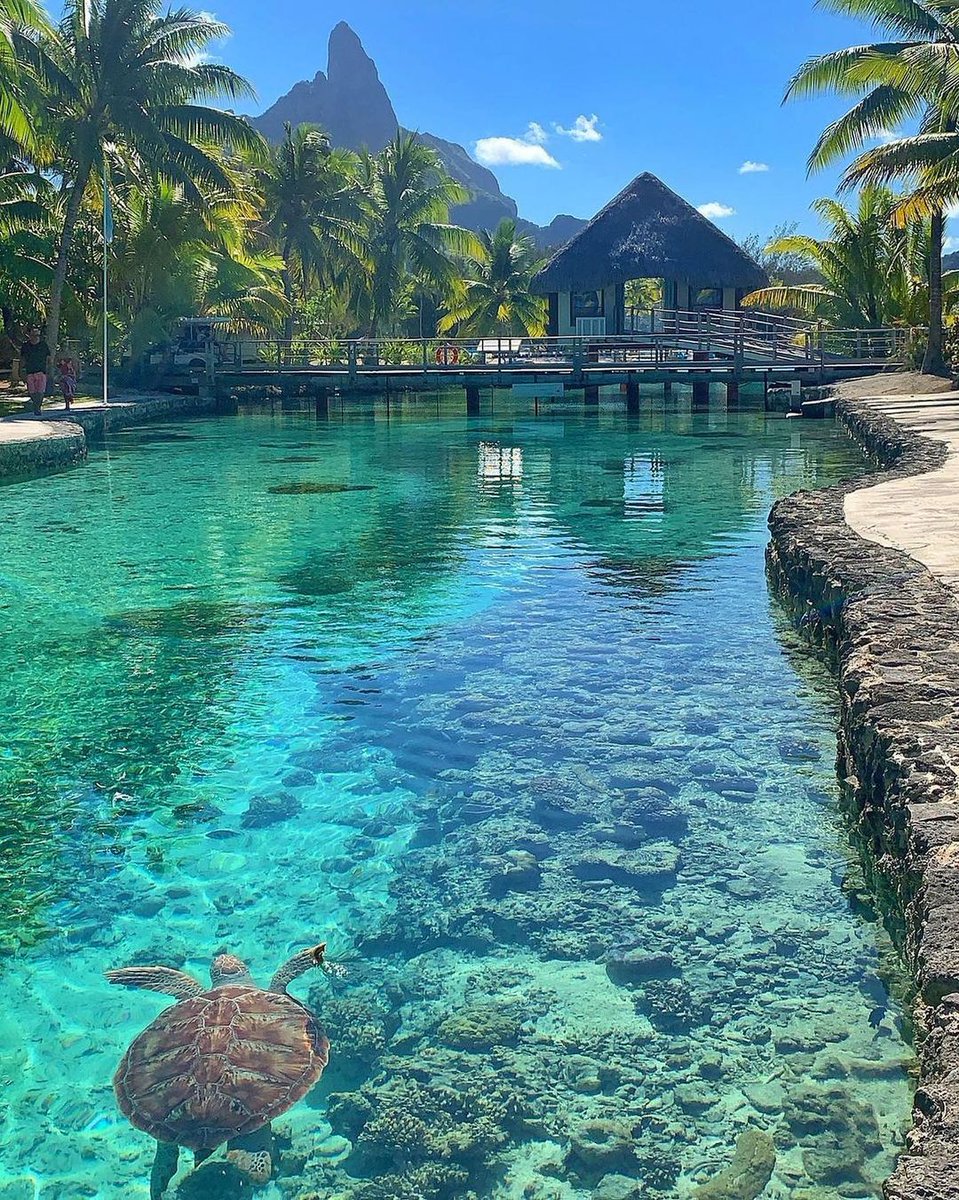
(351, 103)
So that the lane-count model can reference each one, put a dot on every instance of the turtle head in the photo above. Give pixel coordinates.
(228, 969)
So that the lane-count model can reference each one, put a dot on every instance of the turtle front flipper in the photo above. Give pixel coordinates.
(164, 1168)
(298, 965)
(157, 979)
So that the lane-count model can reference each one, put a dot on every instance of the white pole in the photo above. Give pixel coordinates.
(107, 238)
(105, 332)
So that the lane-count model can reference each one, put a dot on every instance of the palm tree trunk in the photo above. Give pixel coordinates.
(287, 290)
(63, 254)
(934, 363)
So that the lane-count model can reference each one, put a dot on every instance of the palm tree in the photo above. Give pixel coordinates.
(911, 76)
(312, 207)
(497, 296)
(128, 85)
(20, 20)
(874, 271)
(407, 227)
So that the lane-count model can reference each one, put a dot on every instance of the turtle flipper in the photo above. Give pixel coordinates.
(298, 965)
(164, 1168)
(157, 979)
(253, 1154)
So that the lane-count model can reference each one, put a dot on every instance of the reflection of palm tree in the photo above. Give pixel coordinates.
(408, 232)
(911, 75)
(312, 204)
(497, 296)
(121, 80)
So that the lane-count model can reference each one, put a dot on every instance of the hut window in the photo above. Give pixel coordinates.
(586, 304)
(705, 297)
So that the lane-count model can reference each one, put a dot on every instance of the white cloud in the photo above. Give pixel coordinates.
(583, 129)
(753, 168)
(536, 133)
(952, 212)
(950, 244)
(513, 152)
(715, 211)
(885, 136)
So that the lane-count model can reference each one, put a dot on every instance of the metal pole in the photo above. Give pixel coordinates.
(106, 336)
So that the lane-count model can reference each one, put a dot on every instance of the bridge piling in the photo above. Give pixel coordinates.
(732, 393)
(321, 401)
(591, 392)
(632, 396)
(472, 400)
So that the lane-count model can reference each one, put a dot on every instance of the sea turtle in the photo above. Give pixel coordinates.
(221, 1063)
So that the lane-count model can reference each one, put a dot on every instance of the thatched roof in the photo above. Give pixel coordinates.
(648, 232)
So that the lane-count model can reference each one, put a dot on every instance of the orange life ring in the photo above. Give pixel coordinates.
(447, 356)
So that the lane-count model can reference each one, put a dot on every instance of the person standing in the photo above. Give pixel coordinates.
(68, 372)
(35, 366)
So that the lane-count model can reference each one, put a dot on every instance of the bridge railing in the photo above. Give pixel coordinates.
(683, 339)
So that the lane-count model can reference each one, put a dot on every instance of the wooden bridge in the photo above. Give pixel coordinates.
(668, 347)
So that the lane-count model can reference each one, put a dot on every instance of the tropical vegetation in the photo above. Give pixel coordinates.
(115, 121)
(912, 77)
(119, 104)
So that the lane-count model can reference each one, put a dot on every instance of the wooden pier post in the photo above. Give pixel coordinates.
(632, 396)
(472, 400)
(667, 389)
(592, 395)
(322, 402)
(701, 386)
(732, 393)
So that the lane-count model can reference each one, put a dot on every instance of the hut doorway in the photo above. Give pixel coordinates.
(644, 301)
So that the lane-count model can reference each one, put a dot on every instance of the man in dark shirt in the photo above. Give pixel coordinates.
(35, 366)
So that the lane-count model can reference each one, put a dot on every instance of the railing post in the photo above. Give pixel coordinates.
(351, 359)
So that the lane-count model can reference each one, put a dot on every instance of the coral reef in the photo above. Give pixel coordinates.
(752, 1166)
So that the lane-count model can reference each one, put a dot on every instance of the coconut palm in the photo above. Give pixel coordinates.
(128, 84)
(912, 76)
(407, 229)
(497, 296)
(19, 21)
(874, 269)
(312, 208)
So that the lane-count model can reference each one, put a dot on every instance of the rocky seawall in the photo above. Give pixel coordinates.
(893, 632)
(36, 447)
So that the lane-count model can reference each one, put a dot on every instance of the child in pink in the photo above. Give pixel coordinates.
(67, 368)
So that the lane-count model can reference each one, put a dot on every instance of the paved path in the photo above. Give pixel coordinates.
(919, 516)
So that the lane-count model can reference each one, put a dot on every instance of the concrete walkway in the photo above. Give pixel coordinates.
(920, 515)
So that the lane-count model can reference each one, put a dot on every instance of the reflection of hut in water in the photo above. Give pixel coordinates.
(646, 233)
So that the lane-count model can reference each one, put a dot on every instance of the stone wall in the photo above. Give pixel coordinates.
(40, 448)
(893, 633)
(35, 447)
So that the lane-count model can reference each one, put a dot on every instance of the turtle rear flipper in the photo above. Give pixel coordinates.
(157, 979)
(164, 1168)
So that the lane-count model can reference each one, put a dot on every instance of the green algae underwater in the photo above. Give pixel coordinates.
(502, 711)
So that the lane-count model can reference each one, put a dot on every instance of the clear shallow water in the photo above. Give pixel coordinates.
(512, 726)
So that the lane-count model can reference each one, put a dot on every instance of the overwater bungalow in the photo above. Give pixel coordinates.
(646, 232)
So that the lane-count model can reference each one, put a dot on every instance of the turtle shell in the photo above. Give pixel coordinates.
(220, 1065)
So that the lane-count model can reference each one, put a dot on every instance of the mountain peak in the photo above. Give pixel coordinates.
(350, 102)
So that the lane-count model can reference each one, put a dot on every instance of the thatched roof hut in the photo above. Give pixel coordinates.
(648, 232)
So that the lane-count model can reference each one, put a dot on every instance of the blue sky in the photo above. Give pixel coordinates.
(688, 89)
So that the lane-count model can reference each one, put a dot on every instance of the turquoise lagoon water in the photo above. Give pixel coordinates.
(502, 711)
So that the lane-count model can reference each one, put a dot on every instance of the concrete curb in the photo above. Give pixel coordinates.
(892, 631)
